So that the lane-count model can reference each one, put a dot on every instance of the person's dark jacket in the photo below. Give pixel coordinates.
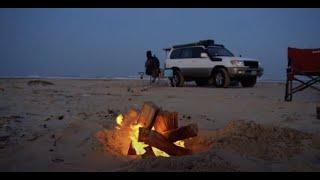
(152, 66)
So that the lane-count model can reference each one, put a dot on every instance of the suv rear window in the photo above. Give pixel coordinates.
(185, 53)
(196, 52)
(175, 54)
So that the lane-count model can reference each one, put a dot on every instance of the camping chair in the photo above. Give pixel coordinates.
(302, 62)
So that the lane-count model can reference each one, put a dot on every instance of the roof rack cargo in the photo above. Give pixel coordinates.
(205, 43)
(219, 45)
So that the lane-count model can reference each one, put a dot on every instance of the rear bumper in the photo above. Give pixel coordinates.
(245, 71)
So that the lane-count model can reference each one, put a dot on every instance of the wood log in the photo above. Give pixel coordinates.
(146, 118)
(166, 121)
(175, 118)
(155, 139)
(131, 150)
(131, 117)
(149, 152)
(148, 114)
(181, 133)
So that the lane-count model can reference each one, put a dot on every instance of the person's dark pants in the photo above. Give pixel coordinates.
(155, 75)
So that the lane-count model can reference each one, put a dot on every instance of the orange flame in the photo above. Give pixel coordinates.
(119, 121)
(134, 134)
(139, 146)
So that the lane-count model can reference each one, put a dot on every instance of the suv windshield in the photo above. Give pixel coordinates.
(218, 51)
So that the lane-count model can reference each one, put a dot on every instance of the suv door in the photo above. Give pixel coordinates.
(181, 58)
(190, 62)
(185, 62)
(200, 66)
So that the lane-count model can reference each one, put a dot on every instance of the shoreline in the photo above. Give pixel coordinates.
(111, 78)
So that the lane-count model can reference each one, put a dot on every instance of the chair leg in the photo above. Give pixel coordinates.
(150, 81)
(305, 85)
(288, 95)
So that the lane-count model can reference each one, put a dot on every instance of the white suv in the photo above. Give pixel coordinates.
(208, 63)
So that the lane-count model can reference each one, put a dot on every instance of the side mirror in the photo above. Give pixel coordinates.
(204, 55)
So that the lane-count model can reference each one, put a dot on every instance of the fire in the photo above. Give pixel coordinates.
(119, 120)
(157, 152)
(139, 147)
(180, 143)
(134, 134)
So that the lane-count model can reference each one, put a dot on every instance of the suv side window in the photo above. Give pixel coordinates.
(175, 54)
(196, 52)
(186, 53)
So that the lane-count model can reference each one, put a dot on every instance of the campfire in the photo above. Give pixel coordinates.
(154, 132)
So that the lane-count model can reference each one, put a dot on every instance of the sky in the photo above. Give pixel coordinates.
(113, 42)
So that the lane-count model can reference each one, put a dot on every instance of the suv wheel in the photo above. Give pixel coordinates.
(177, 80)
(221, 78)
(249, 81)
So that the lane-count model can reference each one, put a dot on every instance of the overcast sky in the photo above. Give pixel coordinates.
(112, 42)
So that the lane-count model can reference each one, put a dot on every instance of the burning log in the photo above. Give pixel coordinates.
(148, 114)
(131, 150)
(181, 133)
(166, 121)
(156, 140)
(154, 132)
(131, 116)
(146, 118)
(149, 152)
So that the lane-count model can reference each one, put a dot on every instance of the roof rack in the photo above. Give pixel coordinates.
(219, 45)
(205, 43)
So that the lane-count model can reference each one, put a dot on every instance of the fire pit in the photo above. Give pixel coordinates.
(152, 131)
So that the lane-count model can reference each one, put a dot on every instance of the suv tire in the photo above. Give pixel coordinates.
(249, 81)
(177, 80)
(221, 78)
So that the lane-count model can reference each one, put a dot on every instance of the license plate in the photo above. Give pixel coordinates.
(168, 73)
(253, 72)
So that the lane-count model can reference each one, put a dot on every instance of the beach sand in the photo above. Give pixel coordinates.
(52, 127)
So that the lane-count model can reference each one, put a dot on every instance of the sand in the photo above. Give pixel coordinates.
(51, 125)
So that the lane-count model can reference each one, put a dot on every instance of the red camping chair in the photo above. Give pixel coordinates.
(302, 62)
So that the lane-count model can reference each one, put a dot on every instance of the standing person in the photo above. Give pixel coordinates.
(152, 66)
